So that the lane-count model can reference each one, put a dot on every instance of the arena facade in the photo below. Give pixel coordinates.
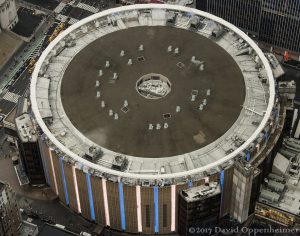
(120, 155)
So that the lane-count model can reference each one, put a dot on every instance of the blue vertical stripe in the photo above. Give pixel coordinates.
(156, 216)
(190, 183)
(46, 170)
(222, 174)
(122, 208)
(248, 156)
(64, 180)
(90, 192)
(265, 137)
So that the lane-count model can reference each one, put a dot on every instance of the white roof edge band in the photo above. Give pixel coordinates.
(97, 167)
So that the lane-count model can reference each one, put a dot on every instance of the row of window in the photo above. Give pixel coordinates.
(274, 22)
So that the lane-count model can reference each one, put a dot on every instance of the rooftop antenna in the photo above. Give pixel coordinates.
(158, 126)
(150, 127)
(129, 62)
(193, 98)
(201, 107)
(166, 125)
(195, 61)
(201, 67)
(115, 76)
(208, 92)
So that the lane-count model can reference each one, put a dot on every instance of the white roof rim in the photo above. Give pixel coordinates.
(100, 168)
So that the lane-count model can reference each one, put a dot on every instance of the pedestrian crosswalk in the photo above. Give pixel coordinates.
(12, 97)
(73, 21)
(59, 8)
(61, 18)
(88, 7)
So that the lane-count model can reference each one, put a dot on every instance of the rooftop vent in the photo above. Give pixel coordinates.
(120, 163)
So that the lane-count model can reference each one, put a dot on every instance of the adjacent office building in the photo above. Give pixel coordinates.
(199, 207)
(28, 145)
(272, 22)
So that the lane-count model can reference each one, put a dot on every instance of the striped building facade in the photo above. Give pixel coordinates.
(134, 209)
(137, 208)
(274, 22)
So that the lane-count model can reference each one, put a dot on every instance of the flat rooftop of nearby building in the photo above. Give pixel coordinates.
(25, 128)
(49, 230)
(283, 189)
(27, 229)
(9, 43)
(201, 192)
(28, 22)
(188, 130)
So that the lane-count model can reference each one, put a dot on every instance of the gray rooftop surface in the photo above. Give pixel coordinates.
(188, 130)
(201, 192)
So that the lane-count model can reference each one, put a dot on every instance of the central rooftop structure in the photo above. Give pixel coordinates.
(152, 92)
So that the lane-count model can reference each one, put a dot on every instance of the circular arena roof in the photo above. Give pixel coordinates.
(152, 92)
(188, 130)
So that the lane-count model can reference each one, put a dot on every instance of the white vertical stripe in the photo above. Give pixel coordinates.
(106, 210)
(173, 207)
(231, 11)
(139, 208)
(281, 24)
(298, 34)
(76, 189)
(289, 33)
(294, 16)
(53, 171)
(280, 20)
(290, 13)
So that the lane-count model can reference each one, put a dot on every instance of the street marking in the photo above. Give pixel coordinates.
(12, 97)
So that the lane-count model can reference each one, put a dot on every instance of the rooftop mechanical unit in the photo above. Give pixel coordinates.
(120, 163)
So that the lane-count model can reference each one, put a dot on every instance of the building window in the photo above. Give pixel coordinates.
(147, 216)
(165, 215)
